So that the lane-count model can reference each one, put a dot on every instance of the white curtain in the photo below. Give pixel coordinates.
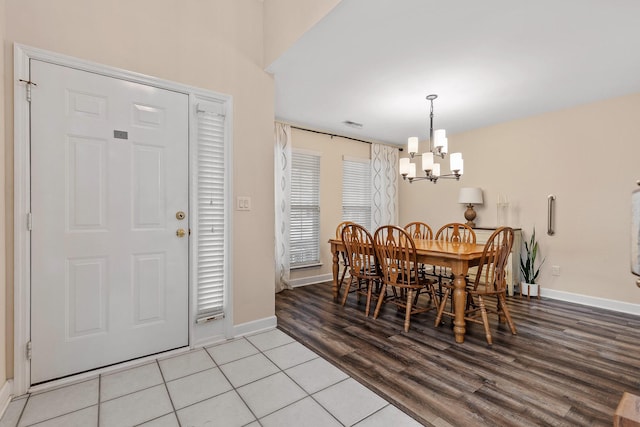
(282, 151)
(384, 185)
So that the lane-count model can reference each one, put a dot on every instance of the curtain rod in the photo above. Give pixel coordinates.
(339, 136)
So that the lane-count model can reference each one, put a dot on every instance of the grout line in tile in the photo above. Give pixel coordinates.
(59, 416)
(211, 356)
(375, 412)
(318, 391)
(23, 408)
(99, 401)
(302, 388)
(168, 394)
(286, 406)
(236, 391)
(61, 386)
(159, 416)
(133, 392)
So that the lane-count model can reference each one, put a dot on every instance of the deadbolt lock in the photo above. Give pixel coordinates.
(180, 215)
(180, 232)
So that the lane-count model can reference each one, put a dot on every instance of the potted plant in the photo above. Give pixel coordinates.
(528, 267)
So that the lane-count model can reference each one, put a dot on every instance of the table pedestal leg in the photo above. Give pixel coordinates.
(336, 291)
(459, 304)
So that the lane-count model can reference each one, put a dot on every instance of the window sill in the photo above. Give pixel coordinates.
(298, 267)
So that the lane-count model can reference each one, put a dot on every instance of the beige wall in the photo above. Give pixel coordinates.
(587, 156)
(216, 45)
(287, 20)
(331, 151)
(4, 335)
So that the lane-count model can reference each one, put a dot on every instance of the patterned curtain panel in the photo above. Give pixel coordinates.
(384, 185)
(282, 195)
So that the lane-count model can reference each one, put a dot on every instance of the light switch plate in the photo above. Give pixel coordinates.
(243, 203)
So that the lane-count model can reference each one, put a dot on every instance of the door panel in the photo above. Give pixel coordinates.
(108, 174)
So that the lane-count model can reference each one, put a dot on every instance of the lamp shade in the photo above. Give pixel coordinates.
(412, 144)
(470, 196)
(404, 166)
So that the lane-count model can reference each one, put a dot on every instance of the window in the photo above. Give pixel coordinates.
(356, 191)
(210, 235)
(304, 230)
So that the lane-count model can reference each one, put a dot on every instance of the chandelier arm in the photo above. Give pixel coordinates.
(455, 176)
(421, 178)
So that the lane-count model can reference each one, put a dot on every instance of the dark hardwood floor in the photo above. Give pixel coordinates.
(567, 366)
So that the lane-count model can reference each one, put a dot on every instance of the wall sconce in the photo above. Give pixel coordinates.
(470, 196)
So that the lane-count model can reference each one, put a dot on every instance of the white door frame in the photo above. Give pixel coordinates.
(198, 334)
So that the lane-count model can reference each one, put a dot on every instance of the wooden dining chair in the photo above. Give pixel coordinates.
(361, 259)
(456, 232)
(490, 281)
(401, 283)
(421, 230)
(345, 260)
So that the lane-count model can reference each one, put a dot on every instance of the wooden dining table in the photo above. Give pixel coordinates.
(457, 256)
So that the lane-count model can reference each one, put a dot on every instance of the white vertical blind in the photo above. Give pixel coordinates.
(304, 231)
(356, 191)
(210, 210)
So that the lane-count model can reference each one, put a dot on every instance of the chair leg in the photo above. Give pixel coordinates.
(369, 293)
(434, 296)
(344, 273)
(407, 316)
(485, 319)
(503, 303)
(383, 292)
(346, 291)
(443, 304)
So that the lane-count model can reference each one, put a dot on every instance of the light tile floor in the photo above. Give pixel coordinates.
(267, 379)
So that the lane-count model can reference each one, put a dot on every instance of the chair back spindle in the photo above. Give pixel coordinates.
(419, 230)
(456, 232)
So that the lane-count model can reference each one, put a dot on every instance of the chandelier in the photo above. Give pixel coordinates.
(438, 147)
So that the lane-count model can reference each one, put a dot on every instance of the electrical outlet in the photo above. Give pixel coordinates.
(555, 270)
(243, 203)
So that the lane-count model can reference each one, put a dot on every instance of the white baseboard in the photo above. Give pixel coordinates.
(209, 341)
(255, 326)
(311, 280)
(5, 396)
(621, 306)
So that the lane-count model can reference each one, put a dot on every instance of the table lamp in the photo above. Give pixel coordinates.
(470, 196)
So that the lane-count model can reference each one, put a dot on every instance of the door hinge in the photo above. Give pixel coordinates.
(28, 350)
(29, 221)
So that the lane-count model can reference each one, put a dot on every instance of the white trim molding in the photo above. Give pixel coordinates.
(608, 304)
(310, 280)
(5, 396)
(255, 326)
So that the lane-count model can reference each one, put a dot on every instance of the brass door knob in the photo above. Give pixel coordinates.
(180, 232)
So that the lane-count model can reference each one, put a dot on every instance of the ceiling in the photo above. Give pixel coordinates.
(374, 61)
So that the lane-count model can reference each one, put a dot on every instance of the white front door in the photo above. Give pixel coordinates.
(109, 176)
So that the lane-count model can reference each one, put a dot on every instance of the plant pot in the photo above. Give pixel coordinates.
(529, 289)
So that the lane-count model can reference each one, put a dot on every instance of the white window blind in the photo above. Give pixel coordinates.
(304, 231)
(211, 210)
(356, 191)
